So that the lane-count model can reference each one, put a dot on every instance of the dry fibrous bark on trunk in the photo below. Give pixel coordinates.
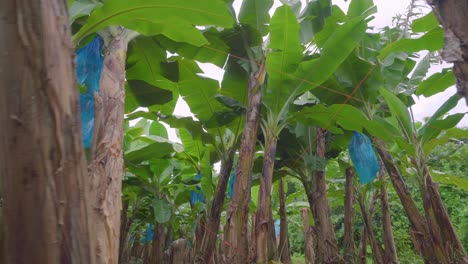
(452, 15)
(362, 250)
(125, 224)
(263, 223)
(42, 161)
(284, 251)
(309, 237)
(377, 250)
(327, 250)
(389, 243)
(237, 214)
(423, 240)
(159, 245)
(348, 240)
(208, 244)
(107, 165)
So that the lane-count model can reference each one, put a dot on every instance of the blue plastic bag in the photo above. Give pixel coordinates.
(197, 195)
(231, 183)
(277, 227)
(149, 235)
(89, 62)
(363, 157)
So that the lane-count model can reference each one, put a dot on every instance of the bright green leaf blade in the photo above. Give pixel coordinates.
(349, 117)
(154, 150)
(255, 14)
(158, 129)
(425, 23)
(235, 81)
(445, 178)
(361, 8)
(332, 23)
(436, 83)
(431, 41)
(334, 51)
(206, 172)
(192, 145)
(432, 129)
(420, 71)
(162, 210)
(382, 129)
(147, 62)
(215, 52)
(447, 106)
(81, 8)
(312, 19)
(398, 110)
(197, 91)
(283, 60)
(174, 17)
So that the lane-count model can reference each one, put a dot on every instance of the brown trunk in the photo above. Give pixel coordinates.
(178, 252)
(452, 15)
(263, 214)
(284, 251)
(362, 250)
(362, 255)
(272, 241)
(327, 249)
(107, 166)
(200, 231)
(147, 253)
(309, 237)
(208, 245)
(252, 240)
(236, 247)
(436, 209)
(377, 250)
(42, 161)
(423, 241)
(124, 228)
(348, 240)
(157, 255)
(389, 243)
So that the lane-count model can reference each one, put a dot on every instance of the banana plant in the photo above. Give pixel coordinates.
(290, 75)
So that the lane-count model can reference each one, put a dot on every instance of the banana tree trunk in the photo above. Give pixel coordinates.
(452, 16)
(204, 255)
(42, 162)
(377, 250)
(159, 245)
(362, 250)
(236, 248)
(284, 251)
(125, 224)
(309, 237)
(327, 249)
(431, 250)
(107, 166)
(348, 240)
(391, 256)
(435, 208)
(263, 223)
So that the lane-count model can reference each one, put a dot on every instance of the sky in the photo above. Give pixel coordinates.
(386, 11)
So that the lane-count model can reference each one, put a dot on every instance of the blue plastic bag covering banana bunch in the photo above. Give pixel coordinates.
(197, 195)
(149, 235)
(231, 183)
(363, 157)
(89, 62)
